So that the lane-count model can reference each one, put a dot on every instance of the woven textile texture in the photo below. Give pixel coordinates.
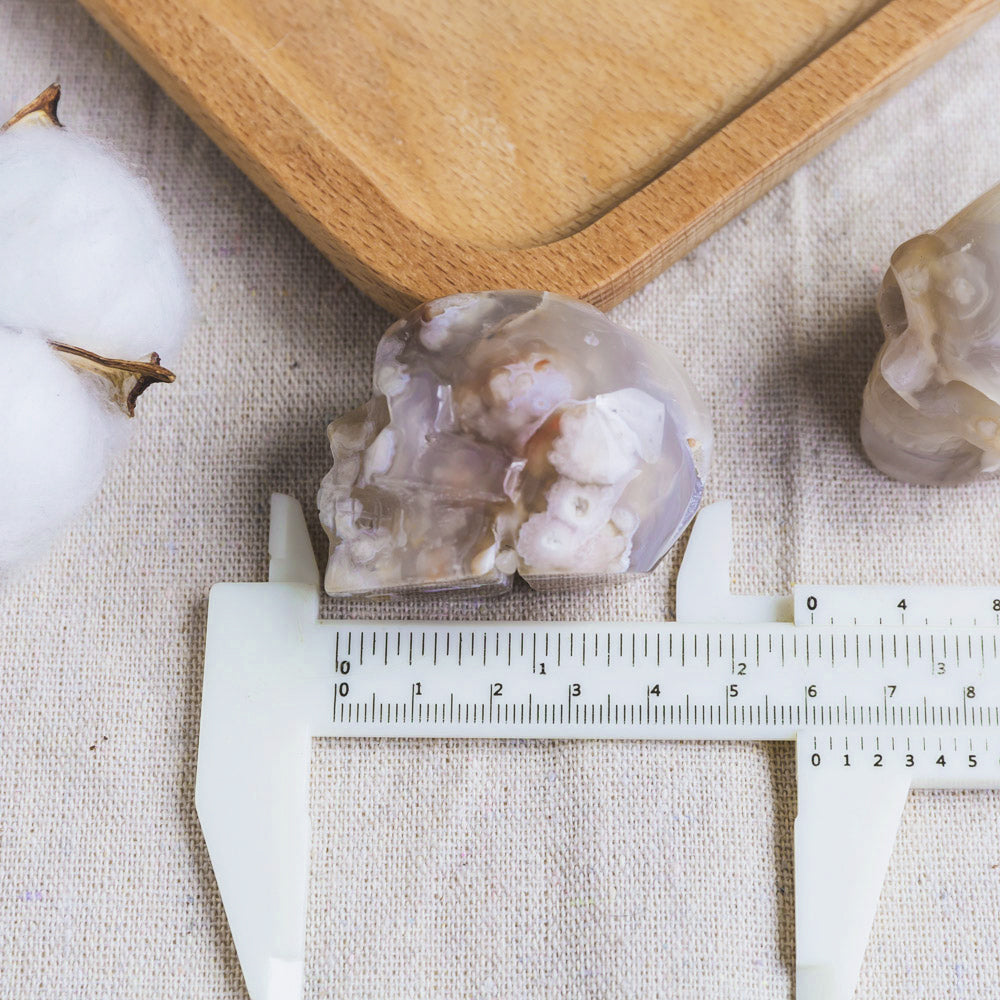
(486, 871)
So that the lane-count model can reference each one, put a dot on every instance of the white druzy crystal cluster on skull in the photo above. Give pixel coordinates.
(511, 432)
(931, 411)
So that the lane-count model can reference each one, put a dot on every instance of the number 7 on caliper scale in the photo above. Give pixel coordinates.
(882, 690)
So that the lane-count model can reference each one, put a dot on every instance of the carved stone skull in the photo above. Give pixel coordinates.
(511, 432)
(931, 411)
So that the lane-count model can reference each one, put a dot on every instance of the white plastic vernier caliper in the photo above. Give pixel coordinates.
(882, 688)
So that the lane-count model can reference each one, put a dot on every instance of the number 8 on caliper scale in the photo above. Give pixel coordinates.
(881, 690)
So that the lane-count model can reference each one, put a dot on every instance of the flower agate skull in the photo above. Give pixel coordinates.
(511, 432)
(931, 411)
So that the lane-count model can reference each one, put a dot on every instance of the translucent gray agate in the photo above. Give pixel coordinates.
(511, 432)
(931, 410)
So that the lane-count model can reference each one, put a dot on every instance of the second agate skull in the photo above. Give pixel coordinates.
(931, 410)
(511, 432)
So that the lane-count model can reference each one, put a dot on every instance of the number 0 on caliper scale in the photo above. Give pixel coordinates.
(882, 689)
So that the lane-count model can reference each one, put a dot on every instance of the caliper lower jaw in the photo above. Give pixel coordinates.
(254, 753)
(845, 828)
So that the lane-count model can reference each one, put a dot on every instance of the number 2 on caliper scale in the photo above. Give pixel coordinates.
(881, 690)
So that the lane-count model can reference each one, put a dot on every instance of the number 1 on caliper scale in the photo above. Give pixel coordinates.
(882, 690)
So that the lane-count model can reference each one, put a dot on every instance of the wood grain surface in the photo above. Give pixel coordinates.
(579, 146)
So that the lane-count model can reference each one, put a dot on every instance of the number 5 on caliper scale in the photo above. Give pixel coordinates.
(882, 689)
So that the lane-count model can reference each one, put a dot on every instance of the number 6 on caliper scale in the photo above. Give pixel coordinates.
(882, 688)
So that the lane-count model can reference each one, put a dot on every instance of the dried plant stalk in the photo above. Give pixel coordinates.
(128, 380)
(40, 111)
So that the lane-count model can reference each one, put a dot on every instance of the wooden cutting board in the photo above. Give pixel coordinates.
(579, 146)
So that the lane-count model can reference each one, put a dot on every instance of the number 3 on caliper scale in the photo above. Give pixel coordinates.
(882, 691)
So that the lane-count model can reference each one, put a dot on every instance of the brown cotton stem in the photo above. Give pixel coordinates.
(128, 379)
(41, 111)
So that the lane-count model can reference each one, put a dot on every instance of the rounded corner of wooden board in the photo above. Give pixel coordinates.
(390, 257)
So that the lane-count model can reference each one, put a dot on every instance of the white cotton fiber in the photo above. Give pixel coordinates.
(57, 433)
(84, 256)
(85, 261)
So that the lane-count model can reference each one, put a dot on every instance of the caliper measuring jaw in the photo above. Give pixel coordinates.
(846, 821)
(839, 670)
(262, 664)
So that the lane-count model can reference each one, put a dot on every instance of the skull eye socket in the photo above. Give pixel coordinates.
(892, 307)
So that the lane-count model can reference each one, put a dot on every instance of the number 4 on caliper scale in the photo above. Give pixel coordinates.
(881, 690)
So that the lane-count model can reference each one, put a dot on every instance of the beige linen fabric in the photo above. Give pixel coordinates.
(477, 871)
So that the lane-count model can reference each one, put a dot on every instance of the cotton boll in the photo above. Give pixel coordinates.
(57, 433)
(84, 256)
(92, 295)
